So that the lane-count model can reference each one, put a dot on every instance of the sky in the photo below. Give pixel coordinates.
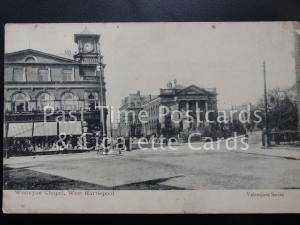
(145, 56)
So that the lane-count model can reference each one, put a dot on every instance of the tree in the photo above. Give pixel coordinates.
(282, 110)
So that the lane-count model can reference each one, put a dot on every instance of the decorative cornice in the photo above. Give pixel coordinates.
(30, 51)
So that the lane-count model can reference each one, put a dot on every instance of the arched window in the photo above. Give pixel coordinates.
(91, 101)
(69, 101)
(30, 59)
(20, 102)
(44, 99)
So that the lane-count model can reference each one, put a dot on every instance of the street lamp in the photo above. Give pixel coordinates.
(266, 143)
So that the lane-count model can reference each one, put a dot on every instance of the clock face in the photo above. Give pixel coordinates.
(88, 47)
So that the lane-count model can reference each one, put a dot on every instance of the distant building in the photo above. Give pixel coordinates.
(35, 79)
(130, 124)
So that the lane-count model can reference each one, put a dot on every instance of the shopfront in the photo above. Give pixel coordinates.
(44, 136)
(25, 138)
(19, 138)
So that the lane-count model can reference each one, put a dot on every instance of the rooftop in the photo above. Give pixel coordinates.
(85, 33)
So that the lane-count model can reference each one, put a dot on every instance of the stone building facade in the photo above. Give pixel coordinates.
(176, 98)
(131, 105)
(35, 81)
(179, 98)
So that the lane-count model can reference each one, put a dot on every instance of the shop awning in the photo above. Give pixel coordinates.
(20, 130)
(44, 129)
(70, 128)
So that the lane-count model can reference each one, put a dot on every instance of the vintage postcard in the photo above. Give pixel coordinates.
(152, 118)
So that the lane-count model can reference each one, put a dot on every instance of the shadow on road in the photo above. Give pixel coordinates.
(26, 179)
(149, 185)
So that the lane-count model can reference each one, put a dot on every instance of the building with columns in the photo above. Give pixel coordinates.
(35, 79)
(180, 98)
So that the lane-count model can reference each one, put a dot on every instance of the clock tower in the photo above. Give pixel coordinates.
(91, 69)
(89, 54)
(90, 59)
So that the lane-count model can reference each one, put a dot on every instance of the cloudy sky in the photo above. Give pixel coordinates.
(145, 56)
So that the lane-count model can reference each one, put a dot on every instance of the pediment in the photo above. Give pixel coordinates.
(26, 56)
(193, 90)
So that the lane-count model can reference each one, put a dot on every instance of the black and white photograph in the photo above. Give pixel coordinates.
(100, 110)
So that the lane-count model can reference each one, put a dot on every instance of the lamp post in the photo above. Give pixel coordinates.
(5, 139)
(266, 107)
(110, 122)
(101, 100)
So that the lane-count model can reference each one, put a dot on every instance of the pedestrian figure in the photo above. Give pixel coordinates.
(119, 145)
(106, 145)
(246, 138)
(263, 138)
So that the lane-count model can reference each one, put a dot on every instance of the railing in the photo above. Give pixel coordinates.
(55, 111)
(11, 116)
(167, 91)
(280, 137)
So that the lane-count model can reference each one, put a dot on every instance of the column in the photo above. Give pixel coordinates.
(177, 116)
(206, 109)
(187, 108)
(197, 115)
(206, 106)
(8, 106)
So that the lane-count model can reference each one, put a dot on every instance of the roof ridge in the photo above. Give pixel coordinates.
(40, 52)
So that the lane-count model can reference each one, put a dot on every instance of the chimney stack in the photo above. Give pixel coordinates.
(175, 83)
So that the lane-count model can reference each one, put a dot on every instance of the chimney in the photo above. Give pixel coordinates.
(68, 52)
(150, 97)
(169, 85)
(175, 83)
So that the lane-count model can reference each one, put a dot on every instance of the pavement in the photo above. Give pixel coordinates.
(48, 158)
(284, 151)
(160, 169)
